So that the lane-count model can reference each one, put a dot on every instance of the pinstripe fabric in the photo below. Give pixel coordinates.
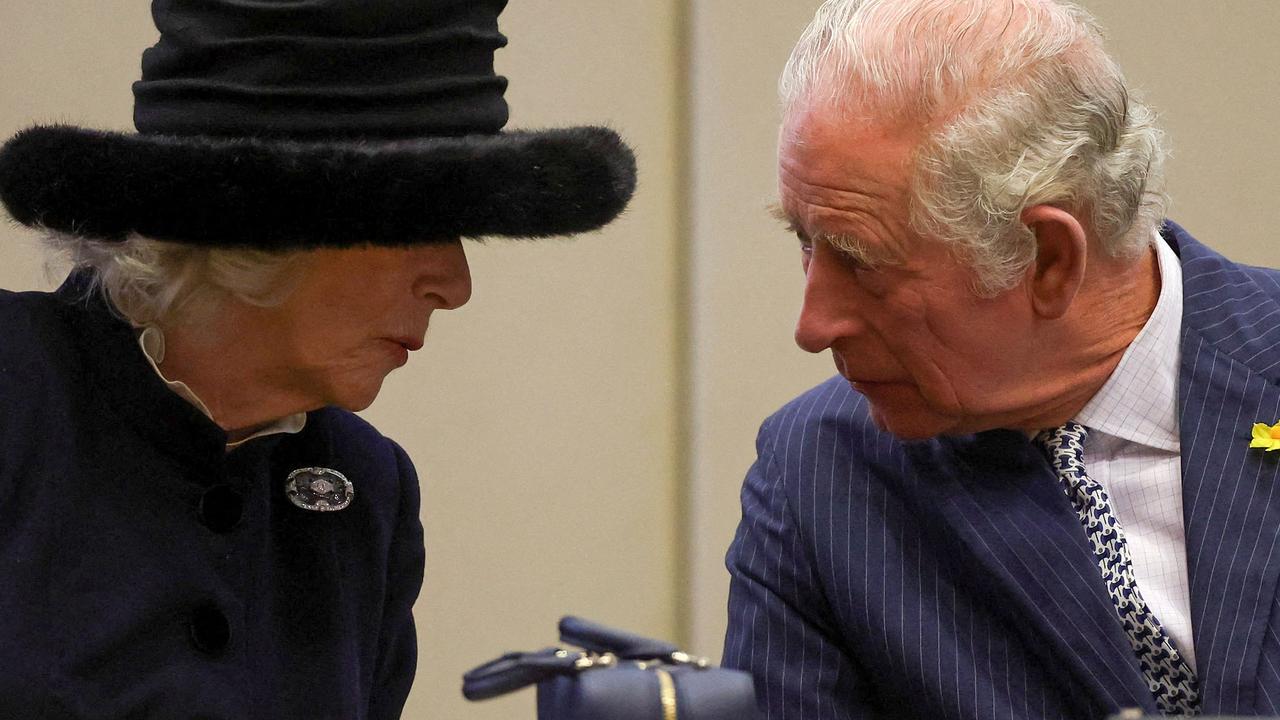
(951, 578)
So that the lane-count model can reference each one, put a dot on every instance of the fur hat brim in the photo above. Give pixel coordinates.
(280, 195)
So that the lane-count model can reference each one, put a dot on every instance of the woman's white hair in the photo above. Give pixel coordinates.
(1020, 104)
(152, 282)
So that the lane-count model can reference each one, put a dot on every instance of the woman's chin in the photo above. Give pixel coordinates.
(357, 396)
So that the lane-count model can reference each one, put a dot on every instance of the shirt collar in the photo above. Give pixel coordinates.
(151, 339)
(1139, 402)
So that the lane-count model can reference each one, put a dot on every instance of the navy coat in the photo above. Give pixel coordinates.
(147, 573)
(951, 578)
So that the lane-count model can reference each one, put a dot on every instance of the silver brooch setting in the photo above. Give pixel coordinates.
(319, 489)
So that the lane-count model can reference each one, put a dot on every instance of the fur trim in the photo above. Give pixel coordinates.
(278, 195)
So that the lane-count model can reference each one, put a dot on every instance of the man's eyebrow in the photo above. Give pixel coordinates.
(777, 212)
(856, 249)
(848, 244)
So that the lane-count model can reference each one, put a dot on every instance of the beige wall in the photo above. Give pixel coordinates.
(583, 424)
(540, 416)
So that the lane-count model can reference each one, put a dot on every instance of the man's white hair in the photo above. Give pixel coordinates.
(1020, 106)
(152, 282)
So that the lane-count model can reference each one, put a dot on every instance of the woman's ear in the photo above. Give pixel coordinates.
(1062, 250)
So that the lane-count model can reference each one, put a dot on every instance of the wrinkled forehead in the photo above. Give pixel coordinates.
(824, 139)
(838, 179)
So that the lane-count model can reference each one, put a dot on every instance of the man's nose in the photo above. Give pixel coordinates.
(445, 275)
(828, 312)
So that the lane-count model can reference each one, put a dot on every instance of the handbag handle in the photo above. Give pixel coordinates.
(517, 670)
(604, 646)
(597, 638)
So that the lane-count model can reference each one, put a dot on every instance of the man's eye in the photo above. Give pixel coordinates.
(853, 261)
(806, 245)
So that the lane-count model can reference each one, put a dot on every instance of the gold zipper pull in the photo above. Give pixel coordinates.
(667, 694)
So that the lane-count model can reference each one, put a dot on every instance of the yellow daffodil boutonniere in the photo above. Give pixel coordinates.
(1266, 436)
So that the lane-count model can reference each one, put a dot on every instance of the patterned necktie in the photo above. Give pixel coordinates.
(1172, 681)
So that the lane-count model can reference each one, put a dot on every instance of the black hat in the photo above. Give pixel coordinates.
(284, 124)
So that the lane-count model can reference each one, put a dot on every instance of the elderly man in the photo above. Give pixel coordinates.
(1031, 492)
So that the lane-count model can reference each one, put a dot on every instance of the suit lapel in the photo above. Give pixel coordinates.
(1230, 352)
(1023, 551)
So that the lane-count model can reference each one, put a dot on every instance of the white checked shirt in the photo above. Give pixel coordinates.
(1133, 450)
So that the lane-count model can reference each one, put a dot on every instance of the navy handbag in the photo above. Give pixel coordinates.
(616, 676)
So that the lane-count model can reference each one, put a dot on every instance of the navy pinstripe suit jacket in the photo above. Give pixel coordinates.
(950, 578)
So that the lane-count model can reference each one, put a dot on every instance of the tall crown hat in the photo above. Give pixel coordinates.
(291, 124)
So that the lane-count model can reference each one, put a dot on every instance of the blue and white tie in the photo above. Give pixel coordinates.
(1172, 681)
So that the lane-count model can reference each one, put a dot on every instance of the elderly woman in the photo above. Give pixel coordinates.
(192, 521)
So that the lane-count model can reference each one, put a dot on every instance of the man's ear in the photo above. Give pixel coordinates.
(1062, 250)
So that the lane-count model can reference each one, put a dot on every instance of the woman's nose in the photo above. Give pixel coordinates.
(444, 274)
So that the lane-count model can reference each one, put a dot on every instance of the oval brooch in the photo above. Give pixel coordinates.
(319, 489)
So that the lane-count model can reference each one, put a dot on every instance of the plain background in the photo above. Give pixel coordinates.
(582, 426)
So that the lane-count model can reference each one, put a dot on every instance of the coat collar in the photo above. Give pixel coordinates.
(128, 388)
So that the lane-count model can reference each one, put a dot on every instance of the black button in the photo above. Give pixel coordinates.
(210, 632)
(221, 508)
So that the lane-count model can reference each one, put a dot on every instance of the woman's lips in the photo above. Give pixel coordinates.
(412, 344)
(399, 350)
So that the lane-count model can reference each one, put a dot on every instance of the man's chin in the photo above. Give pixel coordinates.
(907, 425)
